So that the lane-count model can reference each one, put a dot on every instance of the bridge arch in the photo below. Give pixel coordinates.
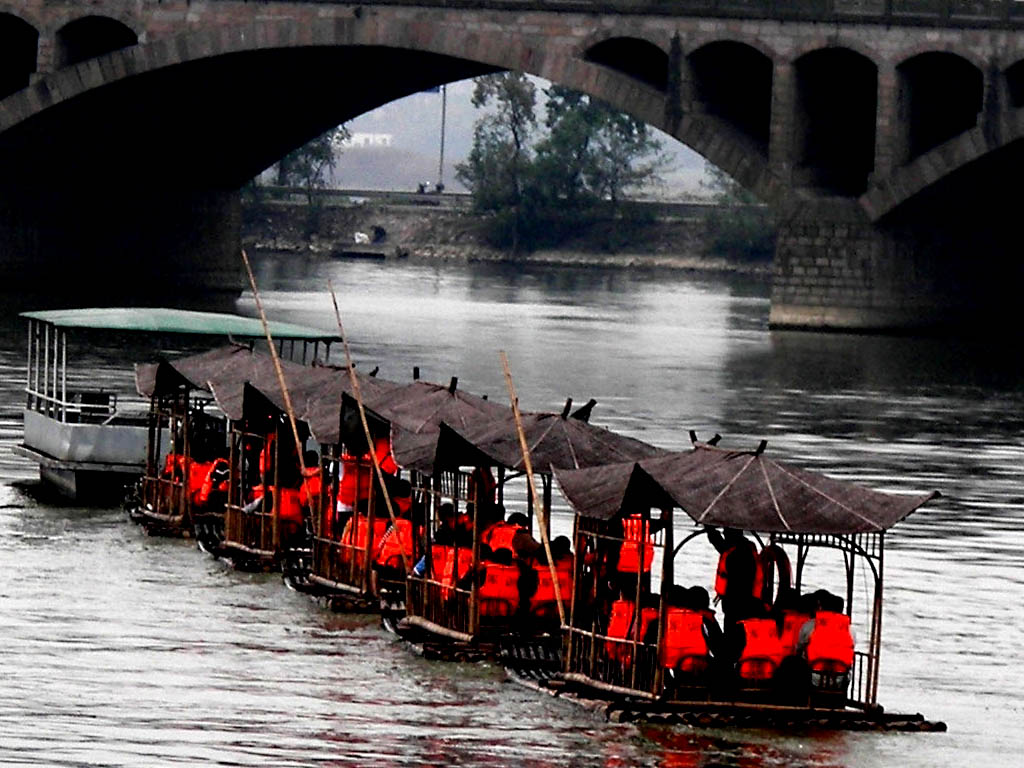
(19, 45)
(26, 15)
(461, 53)
(836, 105)
(636, 57)
(1014, 77)
(87, 37)
(941, 96)
(733, 81)
(695, 42)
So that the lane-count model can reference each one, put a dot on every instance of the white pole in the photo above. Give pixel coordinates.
(440, 164)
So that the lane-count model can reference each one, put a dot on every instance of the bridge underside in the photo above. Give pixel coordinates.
(152, 201)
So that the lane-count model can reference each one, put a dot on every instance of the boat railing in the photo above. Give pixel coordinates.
(340, 561)
(441, 604)
(86, 406)
(163, 494)
(253, 530)
(612, 663)
(857, 692)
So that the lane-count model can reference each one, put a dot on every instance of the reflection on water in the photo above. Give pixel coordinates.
(124, 650)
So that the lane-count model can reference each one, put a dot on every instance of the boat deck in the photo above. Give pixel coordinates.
(732, 714)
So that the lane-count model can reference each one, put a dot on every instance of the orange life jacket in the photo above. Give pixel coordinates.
(830, 648)
(450, 575)
(356, 474)
(207, 488)
(543, 599)
(397, 539)
(722, 574)
(382, 447)
(635, 529)
(197, 473)
(312, 484)
(499, 592)
(174, 465)
(443, 559)
(762, 651)
(355, 537)
(792, 623)
(683, 645)
(620, 626)
(289, 504)
(500, 535)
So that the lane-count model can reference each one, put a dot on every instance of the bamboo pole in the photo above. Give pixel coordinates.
(366, 430)
(281, 382)
(528, 465)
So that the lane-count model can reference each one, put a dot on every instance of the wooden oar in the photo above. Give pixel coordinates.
(299, 448)
(528, 465)
(366, 428)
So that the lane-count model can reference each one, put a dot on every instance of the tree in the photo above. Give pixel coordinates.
(539, 193)
(499, 164)
(599, 152)
(308, 165)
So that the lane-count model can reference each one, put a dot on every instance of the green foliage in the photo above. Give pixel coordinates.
(307, 168)
(738, 228)
(499, 164)
(569, 181)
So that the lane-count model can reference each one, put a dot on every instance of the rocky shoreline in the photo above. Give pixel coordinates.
(438, 234)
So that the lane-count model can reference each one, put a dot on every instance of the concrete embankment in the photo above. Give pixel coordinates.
(431, 229)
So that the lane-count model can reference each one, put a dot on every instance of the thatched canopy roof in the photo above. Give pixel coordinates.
(553, 439)
(737, 489)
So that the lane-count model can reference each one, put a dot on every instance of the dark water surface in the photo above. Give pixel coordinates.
(120, 649)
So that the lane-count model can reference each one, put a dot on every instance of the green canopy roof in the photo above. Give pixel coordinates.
(160, 320)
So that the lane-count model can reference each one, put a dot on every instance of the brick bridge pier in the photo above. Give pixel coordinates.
(886, 134)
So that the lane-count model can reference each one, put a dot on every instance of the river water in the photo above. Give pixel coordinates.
(124, 650)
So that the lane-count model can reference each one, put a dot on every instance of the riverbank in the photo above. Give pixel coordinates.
(678, 241)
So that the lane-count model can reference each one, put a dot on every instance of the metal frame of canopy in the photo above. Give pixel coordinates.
(603, 495)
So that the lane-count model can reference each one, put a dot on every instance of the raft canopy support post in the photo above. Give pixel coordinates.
(667, 580)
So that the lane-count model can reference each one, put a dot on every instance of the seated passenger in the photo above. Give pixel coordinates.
(762, 652)
(791, 613)
(830, 644)
(698, 599)
(524, 546)
(498, 592)
(621, 627)
(685, 649)
(543, 602)
(500, 533)
(214, 489)
(396, 542)
(357, 539)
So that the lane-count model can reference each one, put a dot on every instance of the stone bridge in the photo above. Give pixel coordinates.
(885, 133)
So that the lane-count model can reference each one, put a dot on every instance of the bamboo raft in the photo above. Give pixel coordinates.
(734, 714)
